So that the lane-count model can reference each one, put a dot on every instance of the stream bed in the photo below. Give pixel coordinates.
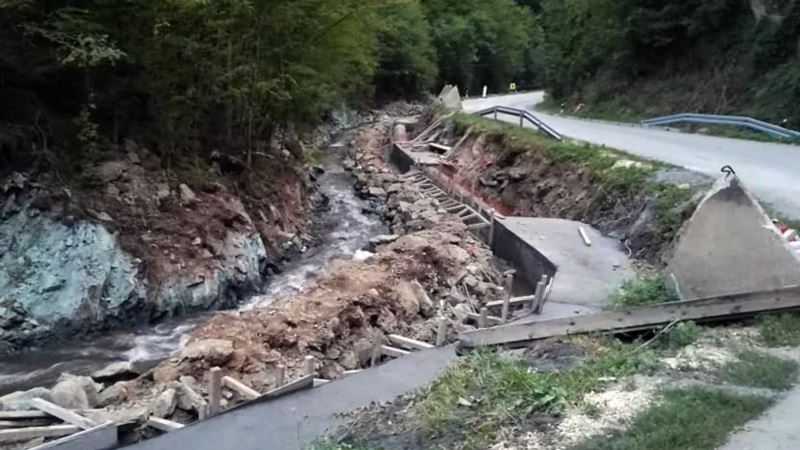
(345, 226)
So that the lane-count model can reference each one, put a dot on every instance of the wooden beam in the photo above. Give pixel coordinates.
(506, 309)
(22, 415)
(320, 382)
(704, 309)
(514, 301)
(280, 375)
(490, 320)
(441, 332)
(538, 299)
(101, 437)
(21, 434)
(408, 342)
(163, 424)
(63, 414)
(443, 148)
(394, 352)
(243, 389)
(306, 382)
(25, 423)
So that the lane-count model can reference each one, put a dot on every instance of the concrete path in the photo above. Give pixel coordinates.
(777, 429)
(770, 170)
(585, 276)
(294, 421)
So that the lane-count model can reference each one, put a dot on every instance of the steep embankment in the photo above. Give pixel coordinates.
(641, 203)
(126, 243)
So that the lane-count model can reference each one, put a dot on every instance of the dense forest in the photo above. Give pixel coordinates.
(644, 57)
(189, 78)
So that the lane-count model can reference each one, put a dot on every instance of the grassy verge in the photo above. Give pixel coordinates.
(759, 370)
(488, 389)
(780, 329)
(686, 419)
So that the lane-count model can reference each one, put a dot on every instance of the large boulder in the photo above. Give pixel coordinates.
(213, 351)
(164, 405)
(75, 392)
(116, 371)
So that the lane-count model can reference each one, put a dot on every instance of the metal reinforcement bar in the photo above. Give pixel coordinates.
(523, 116)
(631, 319)
(715, 119)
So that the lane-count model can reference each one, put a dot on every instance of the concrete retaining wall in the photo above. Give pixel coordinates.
(519, 253)
(401, 159)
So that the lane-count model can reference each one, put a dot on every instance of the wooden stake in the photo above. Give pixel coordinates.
(376, 353)
(441, 332)
(483, 321)
(214, 391)
(491, 230)
(280, 375)
(310, 365)
(538, 299)
(507, 300)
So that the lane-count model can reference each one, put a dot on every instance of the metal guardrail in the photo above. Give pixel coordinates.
(523, 116)
(715, 119)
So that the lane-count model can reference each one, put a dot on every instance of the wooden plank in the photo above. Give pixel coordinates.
(198, 402)
(584, 236)
(243, 389)
(394, 352)
(63, 414)
(26, 423)
(214, 391)
(163, 424)
(490, 320)
(408, 342)
(704, 309)
(21, 434)
(443, 148)
(101, 437)
(21, 415)
(514, 301)
(320, 382)
(507, 287)
(306, 382)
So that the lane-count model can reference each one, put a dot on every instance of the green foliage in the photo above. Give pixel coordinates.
(641, 291)
(780, 329)
(634, 58)
(687, 419)
(681, 335)
(759, 370)
(488, 389)
(482, 43)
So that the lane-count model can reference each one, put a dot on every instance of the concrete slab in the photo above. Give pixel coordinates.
(730, 245)
(293, 422)
(584, 275)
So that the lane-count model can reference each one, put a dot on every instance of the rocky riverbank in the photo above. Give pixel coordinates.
(402, 283)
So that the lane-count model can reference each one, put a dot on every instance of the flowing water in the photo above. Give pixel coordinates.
(346, 229)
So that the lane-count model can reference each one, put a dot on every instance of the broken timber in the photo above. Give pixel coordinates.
(631, 319)
(101, 437)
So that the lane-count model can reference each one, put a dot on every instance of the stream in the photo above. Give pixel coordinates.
(346, 228)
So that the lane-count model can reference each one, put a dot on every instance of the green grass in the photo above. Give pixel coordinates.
(759, 370)
(641, 291)
(780, 329)
(685, 419)
(487, 389)
(681, 335)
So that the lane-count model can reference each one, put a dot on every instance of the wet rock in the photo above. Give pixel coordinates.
(349, 360)
(164, 405)
(382, 239)
(20, 400)
(407, 299)
(425, 303)
(362, 255)
(187, 195)
(75, 392)
(363, 352)
(213, 351)
(376, 192)
(162, 191)
(126, 416)
(115, 371)
(113, 395)
(165, 373)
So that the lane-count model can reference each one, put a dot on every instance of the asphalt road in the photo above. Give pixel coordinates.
(771, 171)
